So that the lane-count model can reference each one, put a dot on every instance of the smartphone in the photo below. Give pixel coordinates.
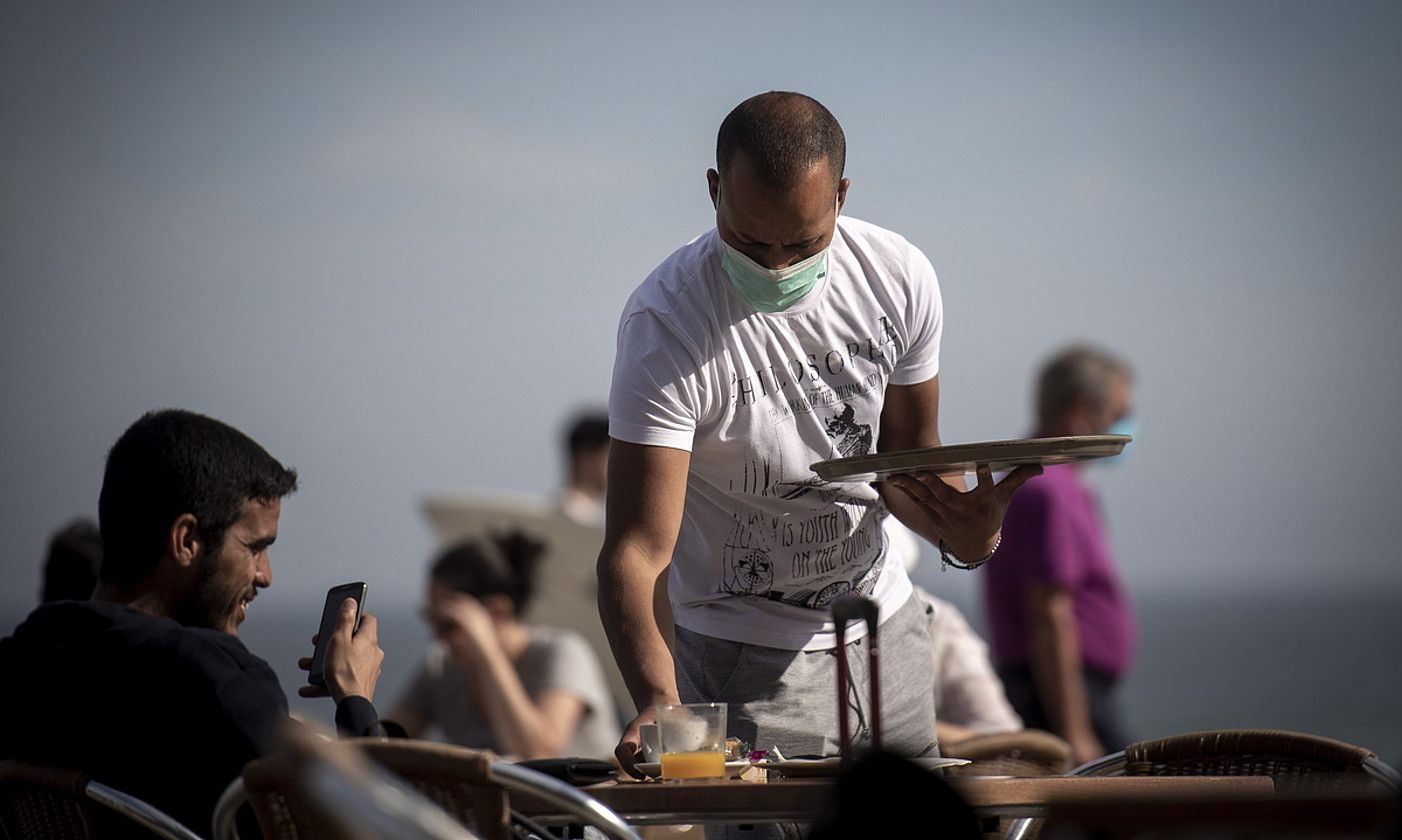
(330, 615)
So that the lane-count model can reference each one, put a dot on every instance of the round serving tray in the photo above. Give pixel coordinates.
(960, 458)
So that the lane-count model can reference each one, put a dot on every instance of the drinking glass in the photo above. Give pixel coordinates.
(693, 740)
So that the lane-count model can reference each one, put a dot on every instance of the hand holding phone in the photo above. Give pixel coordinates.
(330, 620)
(347, 656)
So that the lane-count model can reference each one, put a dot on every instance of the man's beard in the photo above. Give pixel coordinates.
(209, 605)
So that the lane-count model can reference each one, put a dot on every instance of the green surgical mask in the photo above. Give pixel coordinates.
(772, 289)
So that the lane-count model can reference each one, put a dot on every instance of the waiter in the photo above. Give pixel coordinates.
(787, 335)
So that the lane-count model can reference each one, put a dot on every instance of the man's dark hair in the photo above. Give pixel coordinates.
(70, 567)
(496, 565)
(170, 463)
(783, 135)
(586, 432)
(881, 794)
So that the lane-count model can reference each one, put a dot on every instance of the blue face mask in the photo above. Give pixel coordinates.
(772, 289)
(1123, 426)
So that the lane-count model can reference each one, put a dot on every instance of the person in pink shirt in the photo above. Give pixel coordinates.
(1061, 625)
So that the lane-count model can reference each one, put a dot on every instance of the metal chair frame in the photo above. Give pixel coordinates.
(566, 797)
(151, 818)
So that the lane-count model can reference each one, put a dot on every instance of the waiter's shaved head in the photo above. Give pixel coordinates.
(782, 135)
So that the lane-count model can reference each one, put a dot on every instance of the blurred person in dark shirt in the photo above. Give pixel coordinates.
(70, 567)
(587, 458)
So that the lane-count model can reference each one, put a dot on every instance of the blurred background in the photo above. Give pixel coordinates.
(392, 242)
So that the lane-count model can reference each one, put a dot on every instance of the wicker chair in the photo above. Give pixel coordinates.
(468, 785)
(53, 803)
(1029, 752)
(1299, 763)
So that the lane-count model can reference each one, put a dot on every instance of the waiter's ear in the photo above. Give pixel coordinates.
(713, 185)
(842, 192)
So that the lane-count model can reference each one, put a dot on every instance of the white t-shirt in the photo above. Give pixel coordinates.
(443, 696)
(968, 692)
(765, 545)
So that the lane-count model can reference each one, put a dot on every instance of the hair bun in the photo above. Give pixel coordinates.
(522, 553)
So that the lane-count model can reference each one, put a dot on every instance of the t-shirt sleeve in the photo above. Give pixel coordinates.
(654, 399)
(925, 323)
(1037, 539)
(571, 666)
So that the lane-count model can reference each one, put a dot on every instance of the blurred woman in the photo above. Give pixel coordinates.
(493, 682)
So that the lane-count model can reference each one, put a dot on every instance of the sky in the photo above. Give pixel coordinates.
(391, 242)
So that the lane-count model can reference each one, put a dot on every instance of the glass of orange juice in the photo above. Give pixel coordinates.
(693, 740)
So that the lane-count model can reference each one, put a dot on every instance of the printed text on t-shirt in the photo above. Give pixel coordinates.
(809, 373)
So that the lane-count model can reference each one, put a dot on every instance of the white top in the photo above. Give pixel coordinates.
(443, 695)
(580, 507)
(968, 692)
(765, 545)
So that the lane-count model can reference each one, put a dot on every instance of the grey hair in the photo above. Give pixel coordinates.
(1074, 374)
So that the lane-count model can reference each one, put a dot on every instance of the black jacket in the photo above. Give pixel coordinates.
(167, 713)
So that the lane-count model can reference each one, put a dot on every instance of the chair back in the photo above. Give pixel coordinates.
(55, 803)
(1298, 762)
(44, 802)
(1029, 752)
(458, 779)
(289, 804)
(464, 784)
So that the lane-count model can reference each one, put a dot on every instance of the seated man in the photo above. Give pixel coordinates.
(969, 698)
(146, 686)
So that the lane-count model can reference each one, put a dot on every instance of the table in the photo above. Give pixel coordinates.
(801, 800)
(1328, 813)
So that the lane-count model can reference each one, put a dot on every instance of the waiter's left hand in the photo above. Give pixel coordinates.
(968, 521)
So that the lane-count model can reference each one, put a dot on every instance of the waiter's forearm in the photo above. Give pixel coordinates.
(910, 420)
(637, 615)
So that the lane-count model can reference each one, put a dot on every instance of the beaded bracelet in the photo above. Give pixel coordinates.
(947, 557)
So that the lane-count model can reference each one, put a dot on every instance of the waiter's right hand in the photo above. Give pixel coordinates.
(630, 747)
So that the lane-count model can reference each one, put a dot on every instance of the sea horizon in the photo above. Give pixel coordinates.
(1308, 663)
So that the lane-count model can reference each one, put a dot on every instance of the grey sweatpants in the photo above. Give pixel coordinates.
(788, 698)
